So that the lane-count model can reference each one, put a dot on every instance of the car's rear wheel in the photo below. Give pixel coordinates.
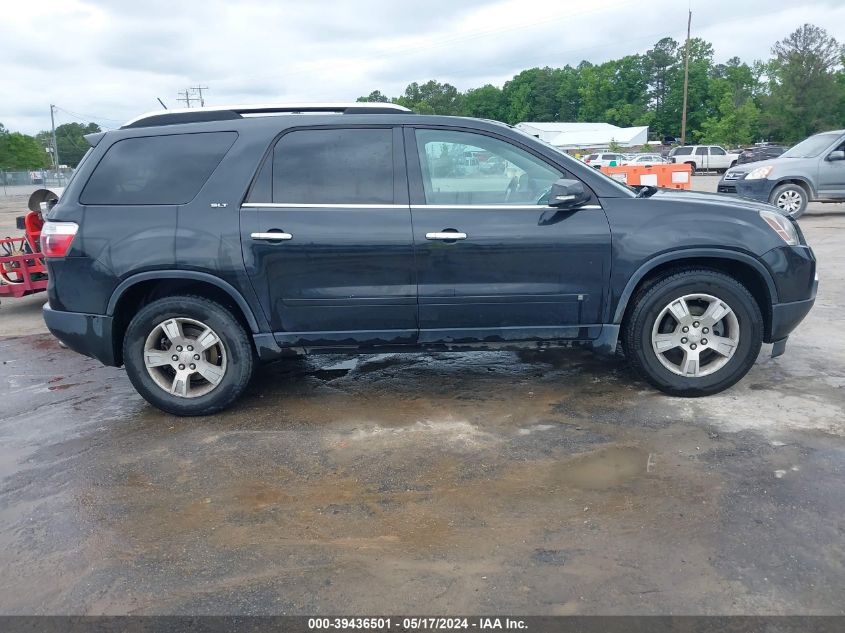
(790, 198)
(693, 333)
(187, 355)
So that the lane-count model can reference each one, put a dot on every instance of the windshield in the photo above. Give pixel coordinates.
(811, 147)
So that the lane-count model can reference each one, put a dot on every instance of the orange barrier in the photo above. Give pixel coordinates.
(666, 176)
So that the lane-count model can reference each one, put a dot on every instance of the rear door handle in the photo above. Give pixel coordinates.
(271, 236)
(446, 235)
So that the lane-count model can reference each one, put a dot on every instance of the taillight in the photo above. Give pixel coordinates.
(56, 238)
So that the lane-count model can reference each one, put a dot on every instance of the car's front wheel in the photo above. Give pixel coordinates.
(693, 333)
(790, 198)
(187, 355)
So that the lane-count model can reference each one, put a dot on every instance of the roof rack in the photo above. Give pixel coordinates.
(223, 113)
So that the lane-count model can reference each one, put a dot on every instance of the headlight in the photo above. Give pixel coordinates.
(759, 173)
(781, 225)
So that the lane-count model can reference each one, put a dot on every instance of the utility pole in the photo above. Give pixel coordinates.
(686, 82)
(185, 96)
(198, 90)
(53, 132)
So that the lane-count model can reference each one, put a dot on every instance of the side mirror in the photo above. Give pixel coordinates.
(836, 155)
(568, 194)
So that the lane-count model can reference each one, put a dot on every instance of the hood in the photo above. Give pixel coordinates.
(744, 168)
(721, 199)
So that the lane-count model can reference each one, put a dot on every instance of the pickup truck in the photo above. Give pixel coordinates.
(704, 157)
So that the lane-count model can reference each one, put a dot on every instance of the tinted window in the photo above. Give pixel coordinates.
(156, 169)
(701, 151)
(467, 168)
(682, 151)
(717, 151)
(338, 166)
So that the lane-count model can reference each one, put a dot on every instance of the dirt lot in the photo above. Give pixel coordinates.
(541, 483)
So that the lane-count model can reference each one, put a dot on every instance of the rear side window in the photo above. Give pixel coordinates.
(336, 166)
(167, 169)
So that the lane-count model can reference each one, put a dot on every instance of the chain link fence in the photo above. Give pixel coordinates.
(35, 178)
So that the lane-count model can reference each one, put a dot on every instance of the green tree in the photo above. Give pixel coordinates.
(805, 96)
(20, 151)
(432, 97)
(70, 139)
(662, 67)
(732, 125)
(532, 95)
(375, 96)
(487, 102)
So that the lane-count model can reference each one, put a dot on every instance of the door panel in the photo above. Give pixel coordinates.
(524, 270)
(345, 275)
(832, 177)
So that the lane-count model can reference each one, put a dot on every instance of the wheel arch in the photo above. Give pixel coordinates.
(797, 180)
(744, 268)
(138, 290)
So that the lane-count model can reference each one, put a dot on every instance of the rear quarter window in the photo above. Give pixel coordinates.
(168, 169)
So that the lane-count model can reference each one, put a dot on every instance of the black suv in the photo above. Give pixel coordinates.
(191, 245)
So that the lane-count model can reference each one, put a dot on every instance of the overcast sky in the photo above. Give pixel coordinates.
(107, 61)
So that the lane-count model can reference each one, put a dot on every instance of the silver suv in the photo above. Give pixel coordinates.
(813, 170)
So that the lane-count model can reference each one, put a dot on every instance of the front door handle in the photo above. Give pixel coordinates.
(271, 236)
(447, 235)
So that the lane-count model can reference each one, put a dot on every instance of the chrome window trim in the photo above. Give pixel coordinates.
(419, 207)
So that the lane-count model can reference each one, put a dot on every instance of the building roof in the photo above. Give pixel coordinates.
(577, 135)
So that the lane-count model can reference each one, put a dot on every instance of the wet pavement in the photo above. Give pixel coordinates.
(547, 482)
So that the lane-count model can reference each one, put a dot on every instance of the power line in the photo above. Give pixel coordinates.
(87, 117)
(198, 90)
(185, 96)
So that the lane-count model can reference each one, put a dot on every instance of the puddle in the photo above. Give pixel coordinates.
(337, 370)
(604, 468)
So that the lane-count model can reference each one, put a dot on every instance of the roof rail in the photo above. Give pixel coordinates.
(223, 113)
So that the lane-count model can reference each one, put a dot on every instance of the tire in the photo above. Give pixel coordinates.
(733, 164)
(790, 198)
(693, 166)
(650, 324)
(172, 326)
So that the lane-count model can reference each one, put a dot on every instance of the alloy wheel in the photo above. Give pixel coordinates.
(185, 357)
(790, 201)
(695, 335)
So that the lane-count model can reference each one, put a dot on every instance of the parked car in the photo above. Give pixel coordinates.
(604, 159)
(704, 157)
(644, 159)
(813, 170)
(194, 244)
(760, 152)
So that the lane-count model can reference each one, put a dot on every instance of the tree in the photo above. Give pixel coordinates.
(70, 139)
(432, 98)
(532, 95)
(375, 96)
(805, 96)
(662, 67)
(732, 125)
(20, 151)
(487, 102)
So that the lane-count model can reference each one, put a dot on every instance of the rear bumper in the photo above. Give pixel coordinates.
(88, 334)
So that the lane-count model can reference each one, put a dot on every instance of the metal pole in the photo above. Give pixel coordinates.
(55, 145)
(686, 82)
(162, 103)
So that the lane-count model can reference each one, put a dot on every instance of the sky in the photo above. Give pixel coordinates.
(108, 60)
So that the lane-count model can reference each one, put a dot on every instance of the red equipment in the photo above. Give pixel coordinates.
(22, 268)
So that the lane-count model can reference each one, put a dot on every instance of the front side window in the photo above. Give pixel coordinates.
(682, 151)
(701, 151)
(464, 168)
(169, 169)
(334, 166)
(717, 151)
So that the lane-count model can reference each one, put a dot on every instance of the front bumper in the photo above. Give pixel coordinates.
(787, 316)
(759, 189)
(88, 334)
